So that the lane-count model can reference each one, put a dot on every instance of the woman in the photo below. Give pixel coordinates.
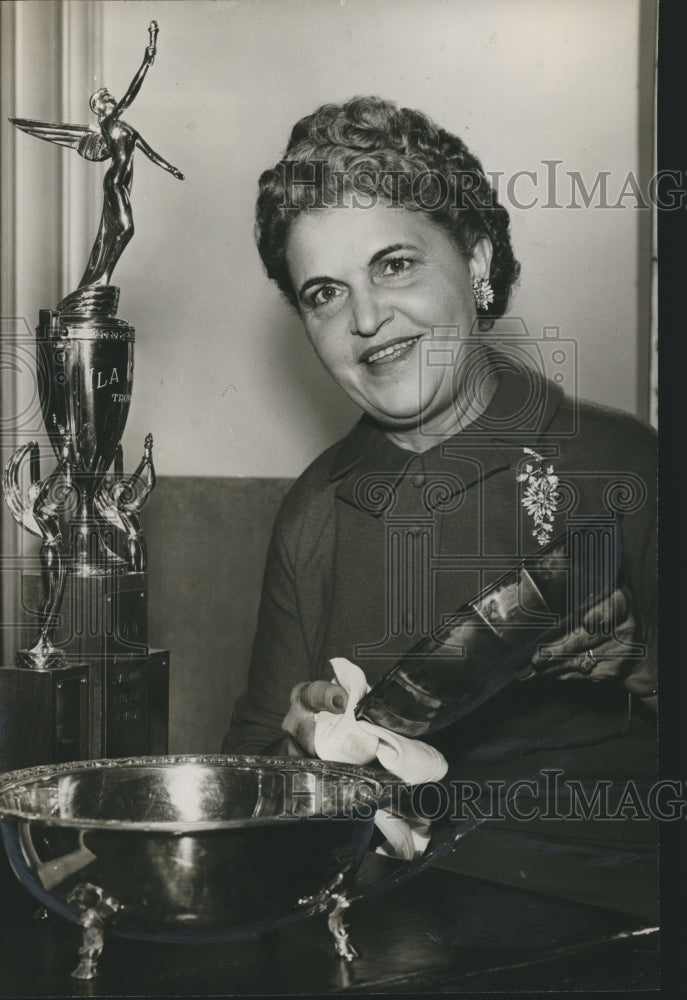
(382, 231)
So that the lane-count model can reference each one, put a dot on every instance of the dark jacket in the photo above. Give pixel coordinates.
(374, 544)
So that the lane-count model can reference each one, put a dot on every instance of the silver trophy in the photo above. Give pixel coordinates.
(88, 520)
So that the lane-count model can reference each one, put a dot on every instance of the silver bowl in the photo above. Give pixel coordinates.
(188, 848)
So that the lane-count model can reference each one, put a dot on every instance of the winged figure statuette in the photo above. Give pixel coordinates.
(115, 140)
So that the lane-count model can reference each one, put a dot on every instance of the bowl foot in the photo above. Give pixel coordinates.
(91, 946)
(338, 929)
(93, 908)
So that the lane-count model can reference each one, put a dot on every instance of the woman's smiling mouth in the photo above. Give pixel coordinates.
(392, 351)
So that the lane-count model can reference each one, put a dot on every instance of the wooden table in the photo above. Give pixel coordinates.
(438, 932)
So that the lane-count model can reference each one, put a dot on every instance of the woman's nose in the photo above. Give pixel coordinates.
(369, 311)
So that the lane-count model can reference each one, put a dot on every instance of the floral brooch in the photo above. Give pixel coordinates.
(540, 498)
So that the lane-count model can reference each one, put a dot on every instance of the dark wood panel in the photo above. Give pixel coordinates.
(207, 539)
(439, 933)
(43, 715)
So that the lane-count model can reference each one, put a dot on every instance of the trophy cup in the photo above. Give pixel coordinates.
(88, 670)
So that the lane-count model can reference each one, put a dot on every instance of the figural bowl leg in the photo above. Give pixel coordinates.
(94, 908)
(338, 929)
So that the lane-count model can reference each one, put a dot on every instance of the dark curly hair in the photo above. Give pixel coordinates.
(371, 148)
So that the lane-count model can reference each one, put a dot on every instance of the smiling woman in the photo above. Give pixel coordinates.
(383, 232)
(392, 277)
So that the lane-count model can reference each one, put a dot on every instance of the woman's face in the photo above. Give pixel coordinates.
(372, 284)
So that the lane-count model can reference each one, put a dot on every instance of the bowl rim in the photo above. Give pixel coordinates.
(368, 777)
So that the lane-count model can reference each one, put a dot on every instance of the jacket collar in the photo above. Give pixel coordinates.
(518, 414)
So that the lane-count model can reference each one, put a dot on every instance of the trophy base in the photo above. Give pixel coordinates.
(85, 711)
(46, 715)
(40, 658)
(136, 704)
(100, 616)
(100, 568)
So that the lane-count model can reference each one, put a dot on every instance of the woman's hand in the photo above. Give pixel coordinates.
(299, 722)
(599, 650)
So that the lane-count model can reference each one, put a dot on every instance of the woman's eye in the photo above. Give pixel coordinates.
(396, 265)
(324, 295)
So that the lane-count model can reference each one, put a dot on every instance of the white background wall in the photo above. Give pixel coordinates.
(224, 377)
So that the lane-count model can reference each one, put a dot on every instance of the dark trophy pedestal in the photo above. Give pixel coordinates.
(46, 715)
(110, 699)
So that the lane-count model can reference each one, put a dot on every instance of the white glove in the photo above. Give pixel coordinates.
(343, 738)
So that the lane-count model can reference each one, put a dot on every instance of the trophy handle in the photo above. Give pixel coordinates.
(37, 512)
(132, 493)
(106, 504)
(21, 507)
(48, 502)
(120, 501)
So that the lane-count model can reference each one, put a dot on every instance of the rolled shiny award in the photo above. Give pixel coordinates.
(482, 647)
